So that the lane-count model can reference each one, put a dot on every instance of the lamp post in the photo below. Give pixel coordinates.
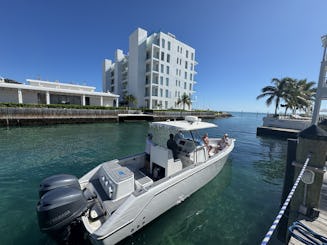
(321, 83)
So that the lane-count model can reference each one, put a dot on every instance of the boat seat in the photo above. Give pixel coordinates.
(141, 180)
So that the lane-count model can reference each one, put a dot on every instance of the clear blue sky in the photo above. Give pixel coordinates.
(240, 45)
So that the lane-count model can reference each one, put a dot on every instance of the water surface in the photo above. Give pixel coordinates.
(237, 207)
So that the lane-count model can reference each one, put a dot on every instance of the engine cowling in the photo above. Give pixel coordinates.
(58, 208)
(59, 180)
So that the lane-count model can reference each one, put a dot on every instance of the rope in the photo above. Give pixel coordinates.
(287, 201)
(306, 235)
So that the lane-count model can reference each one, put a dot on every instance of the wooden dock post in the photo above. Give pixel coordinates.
(311, 140)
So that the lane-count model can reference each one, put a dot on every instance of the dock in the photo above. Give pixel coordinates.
(277, 132)
(318, 225)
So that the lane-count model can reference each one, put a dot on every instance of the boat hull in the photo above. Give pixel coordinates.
(141, 209)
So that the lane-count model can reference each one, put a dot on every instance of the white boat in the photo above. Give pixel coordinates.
(119, 197)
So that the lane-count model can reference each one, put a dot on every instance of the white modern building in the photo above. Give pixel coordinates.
(45, 92)
(157, 71)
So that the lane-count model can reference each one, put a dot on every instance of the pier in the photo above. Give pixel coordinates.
(318, 225)
(303, 213)
(277, 132)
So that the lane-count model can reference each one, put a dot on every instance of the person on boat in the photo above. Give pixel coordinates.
(148, 145)
(224, 141)
(205, 140)
(172, 145)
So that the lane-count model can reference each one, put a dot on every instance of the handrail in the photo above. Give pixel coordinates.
(287, 201)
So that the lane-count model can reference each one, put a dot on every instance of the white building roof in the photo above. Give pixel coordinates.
(57, 84)
(60, 89)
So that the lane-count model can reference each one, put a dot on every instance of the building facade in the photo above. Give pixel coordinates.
(45, 92)
(157, 71)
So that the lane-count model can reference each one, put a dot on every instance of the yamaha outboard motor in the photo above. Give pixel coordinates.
(58, 209)
(61, 204)
(59, 180)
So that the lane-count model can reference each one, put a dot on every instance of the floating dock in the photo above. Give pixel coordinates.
(277, 132)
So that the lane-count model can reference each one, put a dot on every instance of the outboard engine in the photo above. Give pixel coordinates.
(59, 180)
(58, 209)
(61, 204)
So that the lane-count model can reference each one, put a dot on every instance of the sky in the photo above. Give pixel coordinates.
(240, 45)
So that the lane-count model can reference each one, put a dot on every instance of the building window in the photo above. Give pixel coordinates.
(177, 61)
(65, 99)
(191, 68)
(163, 43)
(166, 93)
(190, 86)
(181, 50)
(167, 69)
(162, 56)
(161, 92)
(146, 91)
(168, 45)
(166, 104)
(185, 85)
(155, 80)
(191, 76)
(177, 48)
(185, 75)
(180, 72)
(161, 80)
(167, 81)
(162, 67)
(180, 61)
(175, 93)
(154, 91)
(168, 58)
(179, 84)
(185, 64)
(176, 72)
(192, 56)
(186, 53)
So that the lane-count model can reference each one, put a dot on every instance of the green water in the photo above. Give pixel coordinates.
(237, 207)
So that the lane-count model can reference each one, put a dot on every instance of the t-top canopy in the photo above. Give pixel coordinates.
(190, 123)
(161, 130)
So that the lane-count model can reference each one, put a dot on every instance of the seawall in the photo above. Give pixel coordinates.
(16, 116)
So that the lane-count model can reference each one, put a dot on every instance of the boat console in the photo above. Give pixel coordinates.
(117, 181)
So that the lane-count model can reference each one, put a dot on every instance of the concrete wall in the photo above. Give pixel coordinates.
(8, 95)
(286, 123)
(136, 65)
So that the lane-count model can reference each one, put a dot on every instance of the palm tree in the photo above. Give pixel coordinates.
(276, 92)
(185, 100)
(299, 94)
(130, 99)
